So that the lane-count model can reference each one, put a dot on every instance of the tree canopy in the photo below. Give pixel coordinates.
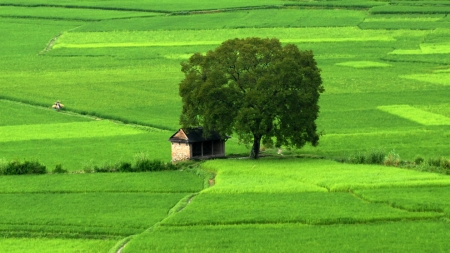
(256, 88)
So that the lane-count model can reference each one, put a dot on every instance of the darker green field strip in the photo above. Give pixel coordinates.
(412, 198)
(307, 208)
(71, 13)
(233, 20)
(408, 143)
(428, 236)
(76, 153)
(16, 113)
(66, 232)
(152, 5)
(147, 182)
(430, 7)
(441, 59)
(84, 213)
(419, 25)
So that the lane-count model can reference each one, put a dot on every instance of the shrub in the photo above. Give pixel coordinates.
(3, 164)
(59, 169)
(372, 157)
(436, 162)
(16, 167)
(392, 159)
(375, 157)
(107, 167)
(125, 167)
(418, 160)
(445, 163)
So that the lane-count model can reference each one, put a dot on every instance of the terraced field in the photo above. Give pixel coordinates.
(115, 66)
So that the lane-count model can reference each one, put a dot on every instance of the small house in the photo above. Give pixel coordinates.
(191, 144)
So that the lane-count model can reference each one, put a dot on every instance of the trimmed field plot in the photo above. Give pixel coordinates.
(242, 176)
(16, 114)
(306, 208)
(96, 206)
(416, 115)
(156, 182)
(417, 199)
(398, 21)
(435, 78)
(377, 237)
(67, 13)
(153, 5)
(214, 37)
(87, 214)
(371, 220)
(65, 130)
(236, 19)
(39, 245)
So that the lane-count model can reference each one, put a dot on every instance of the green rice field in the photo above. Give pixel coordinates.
(115, 65)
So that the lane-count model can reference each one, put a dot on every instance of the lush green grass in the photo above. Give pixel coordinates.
(67, 13)
(90, 205)
(425, 198)
(16, 114)
(236, 19)
(52, 245)
(146, 5)
(260, 192)
(307, 208)
(128, 69)
(151, 182)
(289, 175)
(376, 237)
(86, 214)
(416, 115)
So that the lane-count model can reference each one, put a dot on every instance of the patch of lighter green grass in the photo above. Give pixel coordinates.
(441, 78)
(305, 175)
(216, 36)
(425, 48)
(443, 109)
(65, 130)
(178, 56)
(442, 71)
(416, 115)
(49, 245)
(408, 18)
(429, 236)
(363, 64)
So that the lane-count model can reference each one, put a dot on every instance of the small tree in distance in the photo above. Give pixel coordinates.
(255, 88)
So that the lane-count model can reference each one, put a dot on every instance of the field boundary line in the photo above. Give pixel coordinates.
(84, 7)
(337, 221)
(393, 205)
(90, 116)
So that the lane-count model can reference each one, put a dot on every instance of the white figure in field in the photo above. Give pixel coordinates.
(57, 106)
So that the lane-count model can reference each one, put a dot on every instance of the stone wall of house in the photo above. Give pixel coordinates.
(180, 151)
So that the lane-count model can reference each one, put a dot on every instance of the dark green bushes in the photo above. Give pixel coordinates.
(58, 169)
(372, 157)
(436, 165)
(141, 163)
(17, 167)
(141, 166)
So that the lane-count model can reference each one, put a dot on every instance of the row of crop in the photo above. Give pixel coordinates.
(142, 164)
(392, 158)
(83, 215)
(399, 9)
(429, 236)
(313, 208)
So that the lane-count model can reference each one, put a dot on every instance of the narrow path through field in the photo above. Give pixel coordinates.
(183, 203)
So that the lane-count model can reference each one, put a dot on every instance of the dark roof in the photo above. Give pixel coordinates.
(194, 135)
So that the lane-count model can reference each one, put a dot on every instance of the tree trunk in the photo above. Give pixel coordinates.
(254, 153)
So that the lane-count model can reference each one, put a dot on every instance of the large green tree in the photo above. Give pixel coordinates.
(256, 88)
